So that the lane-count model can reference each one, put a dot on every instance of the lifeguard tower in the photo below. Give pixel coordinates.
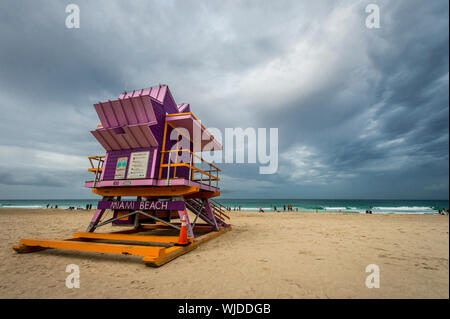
(152, 146)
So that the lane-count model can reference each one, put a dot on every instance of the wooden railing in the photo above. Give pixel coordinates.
(217, 211)
(218, 208)
(208, 175)
(96, 167)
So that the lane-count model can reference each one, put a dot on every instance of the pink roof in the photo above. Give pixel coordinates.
(184, 108)
(158, 93)
(132, 111)
(133, 136)
(191, 124)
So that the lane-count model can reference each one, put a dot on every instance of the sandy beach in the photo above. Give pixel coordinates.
(270, 255)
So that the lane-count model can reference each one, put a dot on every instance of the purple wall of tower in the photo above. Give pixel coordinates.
(169, 103)
(111, 162)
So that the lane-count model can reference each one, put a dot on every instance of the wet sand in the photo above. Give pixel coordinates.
(270, 255)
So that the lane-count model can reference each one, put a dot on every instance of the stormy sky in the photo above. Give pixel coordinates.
(361, 113)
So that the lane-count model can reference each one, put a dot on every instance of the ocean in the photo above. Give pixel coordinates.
(303, 205)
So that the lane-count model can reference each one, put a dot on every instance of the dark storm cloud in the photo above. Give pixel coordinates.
(361, 112)
(399, 124)
(30, 179)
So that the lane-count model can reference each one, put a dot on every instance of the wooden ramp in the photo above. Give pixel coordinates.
(156, 250)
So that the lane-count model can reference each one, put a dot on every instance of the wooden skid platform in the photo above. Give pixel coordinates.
(156, 250)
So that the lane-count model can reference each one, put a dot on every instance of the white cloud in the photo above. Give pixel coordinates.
(303, 165)
(15, 157)
(390, 143)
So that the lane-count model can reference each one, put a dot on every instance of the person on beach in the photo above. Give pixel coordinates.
(274, 208)
(284, 208)
(261, 210)
(48, 205)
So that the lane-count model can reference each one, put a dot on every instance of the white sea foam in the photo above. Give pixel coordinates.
(405, 208)
(21, 206)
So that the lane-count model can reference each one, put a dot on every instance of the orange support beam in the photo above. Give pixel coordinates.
(126, 237)
(152, 255)
(150, 251)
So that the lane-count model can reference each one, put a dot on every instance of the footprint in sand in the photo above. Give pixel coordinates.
(430, 268)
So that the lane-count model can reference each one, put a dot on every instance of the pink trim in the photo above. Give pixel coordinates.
(122, 182)
(149, 182)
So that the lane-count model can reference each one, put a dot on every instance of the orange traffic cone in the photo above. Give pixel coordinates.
(183, 240)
